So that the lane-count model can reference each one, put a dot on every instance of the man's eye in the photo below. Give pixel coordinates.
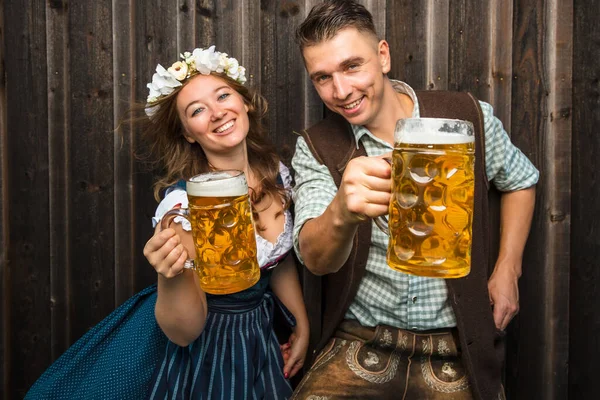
(322, 78)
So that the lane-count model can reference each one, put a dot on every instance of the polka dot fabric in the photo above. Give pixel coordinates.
(114, 360)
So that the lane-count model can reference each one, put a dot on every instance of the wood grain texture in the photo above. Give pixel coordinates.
(5, 327)
(406, 27)
(123, 69)
(76, 202)
(542, 58)
(155, 42)
(58, 177)
(500, 70)
(584, 322)
(28, 298)
(91, 160)
(469, 41)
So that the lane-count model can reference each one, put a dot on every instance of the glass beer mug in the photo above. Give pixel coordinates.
(220, 213)
(431, 209)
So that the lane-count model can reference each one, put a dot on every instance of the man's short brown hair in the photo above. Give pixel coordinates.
(326, 19)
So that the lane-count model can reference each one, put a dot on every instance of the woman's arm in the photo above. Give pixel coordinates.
(286, 286)
(180, 306)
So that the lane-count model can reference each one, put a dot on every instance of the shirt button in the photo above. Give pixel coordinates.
(414, 299)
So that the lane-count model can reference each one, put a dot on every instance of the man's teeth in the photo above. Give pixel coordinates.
(223, 128)
(353, 104)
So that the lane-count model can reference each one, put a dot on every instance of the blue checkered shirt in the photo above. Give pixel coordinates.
(386, 296)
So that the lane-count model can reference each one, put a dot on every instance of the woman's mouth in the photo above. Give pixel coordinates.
(224, 127)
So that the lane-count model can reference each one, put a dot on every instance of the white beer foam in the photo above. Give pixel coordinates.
(435, 138)
(217, 184)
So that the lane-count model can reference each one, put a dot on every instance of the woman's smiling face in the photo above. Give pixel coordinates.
(213, 114)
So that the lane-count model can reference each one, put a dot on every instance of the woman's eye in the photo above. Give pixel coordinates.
(197, 111)
(223, 96)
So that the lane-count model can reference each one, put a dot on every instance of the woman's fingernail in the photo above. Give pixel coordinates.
(178, 205)
(286, 375)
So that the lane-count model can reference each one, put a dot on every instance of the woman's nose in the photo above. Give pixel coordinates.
(218, 114)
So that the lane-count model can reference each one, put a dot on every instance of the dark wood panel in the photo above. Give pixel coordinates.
(124, 201)
(156, 28)
(204, 22)
(406, 24)
(28, 291)
(585, 241)
(469, 41)
(544, 284)
(500, 71)
(293, 103)
(5, 327)
(58, 183)
(91, 160)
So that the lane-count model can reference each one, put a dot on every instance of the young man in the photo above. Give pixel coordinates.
(384, 334)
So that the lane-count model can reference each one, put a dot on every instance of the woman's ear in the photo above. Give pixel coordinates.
(188, 137)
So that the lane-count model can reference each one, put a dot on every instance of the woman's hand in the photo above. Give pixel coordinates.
(165, 252)
(294, 353)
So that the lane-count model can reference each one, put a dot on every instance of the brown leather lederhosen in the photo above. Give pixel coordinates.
(332, 143)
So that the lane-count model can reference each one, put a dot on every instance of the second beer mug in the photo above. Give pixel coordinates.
(220, 213)
(431, 210)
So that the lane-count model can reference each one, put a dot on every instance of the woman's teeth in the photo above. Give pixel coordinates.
(223, 128)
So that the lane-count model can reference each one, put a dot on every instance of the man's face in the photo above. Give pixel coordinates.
(348, 73)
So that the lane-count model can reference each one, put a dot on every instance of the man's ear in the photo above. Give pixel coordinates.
(383, 50)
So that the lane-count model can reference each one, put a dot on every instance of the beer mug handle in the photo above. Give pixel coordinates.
(382, 224)
(166, 221)
(382, 221)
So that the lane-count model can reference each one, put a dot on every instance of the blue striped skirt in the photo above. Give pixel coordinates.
(237, 356)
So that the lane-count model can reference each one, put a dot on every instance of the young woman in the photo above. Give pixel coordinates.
(172, 340)
(212, 122)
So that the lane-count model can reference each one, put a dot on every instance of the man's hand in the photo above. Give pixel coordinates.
(364, 192)
(504, 294)
(365, 189)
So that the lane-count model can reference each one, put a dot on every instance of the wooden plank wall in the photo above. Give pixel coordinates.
(76, 202)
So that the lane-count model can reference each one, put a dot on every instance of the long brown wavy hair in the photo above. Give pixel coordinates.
(169, 150)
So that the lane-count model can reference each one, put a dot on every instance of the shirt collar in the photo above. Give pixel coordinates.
(400, 87)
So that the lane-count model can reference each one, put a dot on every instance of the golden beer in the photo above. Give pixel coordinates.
(220, 213)
(431, 210)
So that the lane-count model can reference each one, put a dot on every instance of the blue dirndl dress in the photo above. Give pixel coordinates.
(127, 356)
(113, 360)
(237, 356)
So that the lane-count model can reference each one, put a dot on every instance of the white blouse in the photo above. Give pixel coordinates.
(268, 253)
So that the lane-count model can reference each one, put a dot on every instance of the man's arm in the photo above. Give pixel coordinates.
(324, 239)
(515, 221)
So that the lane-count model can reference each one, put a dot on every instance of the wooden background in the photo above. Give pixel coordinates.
(76, 205)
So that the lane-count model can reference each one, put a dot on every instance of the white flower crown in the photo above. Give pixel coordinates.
(199, 61)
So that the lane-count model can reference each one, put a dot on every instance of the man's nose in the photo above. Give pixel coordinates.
(341, 88)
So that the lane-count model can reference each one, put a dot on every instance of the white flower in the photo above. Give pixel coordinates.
(179, 70)
(233, 69)
(206, 61)
(242, 75)
(203, 61)
(163, 83)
